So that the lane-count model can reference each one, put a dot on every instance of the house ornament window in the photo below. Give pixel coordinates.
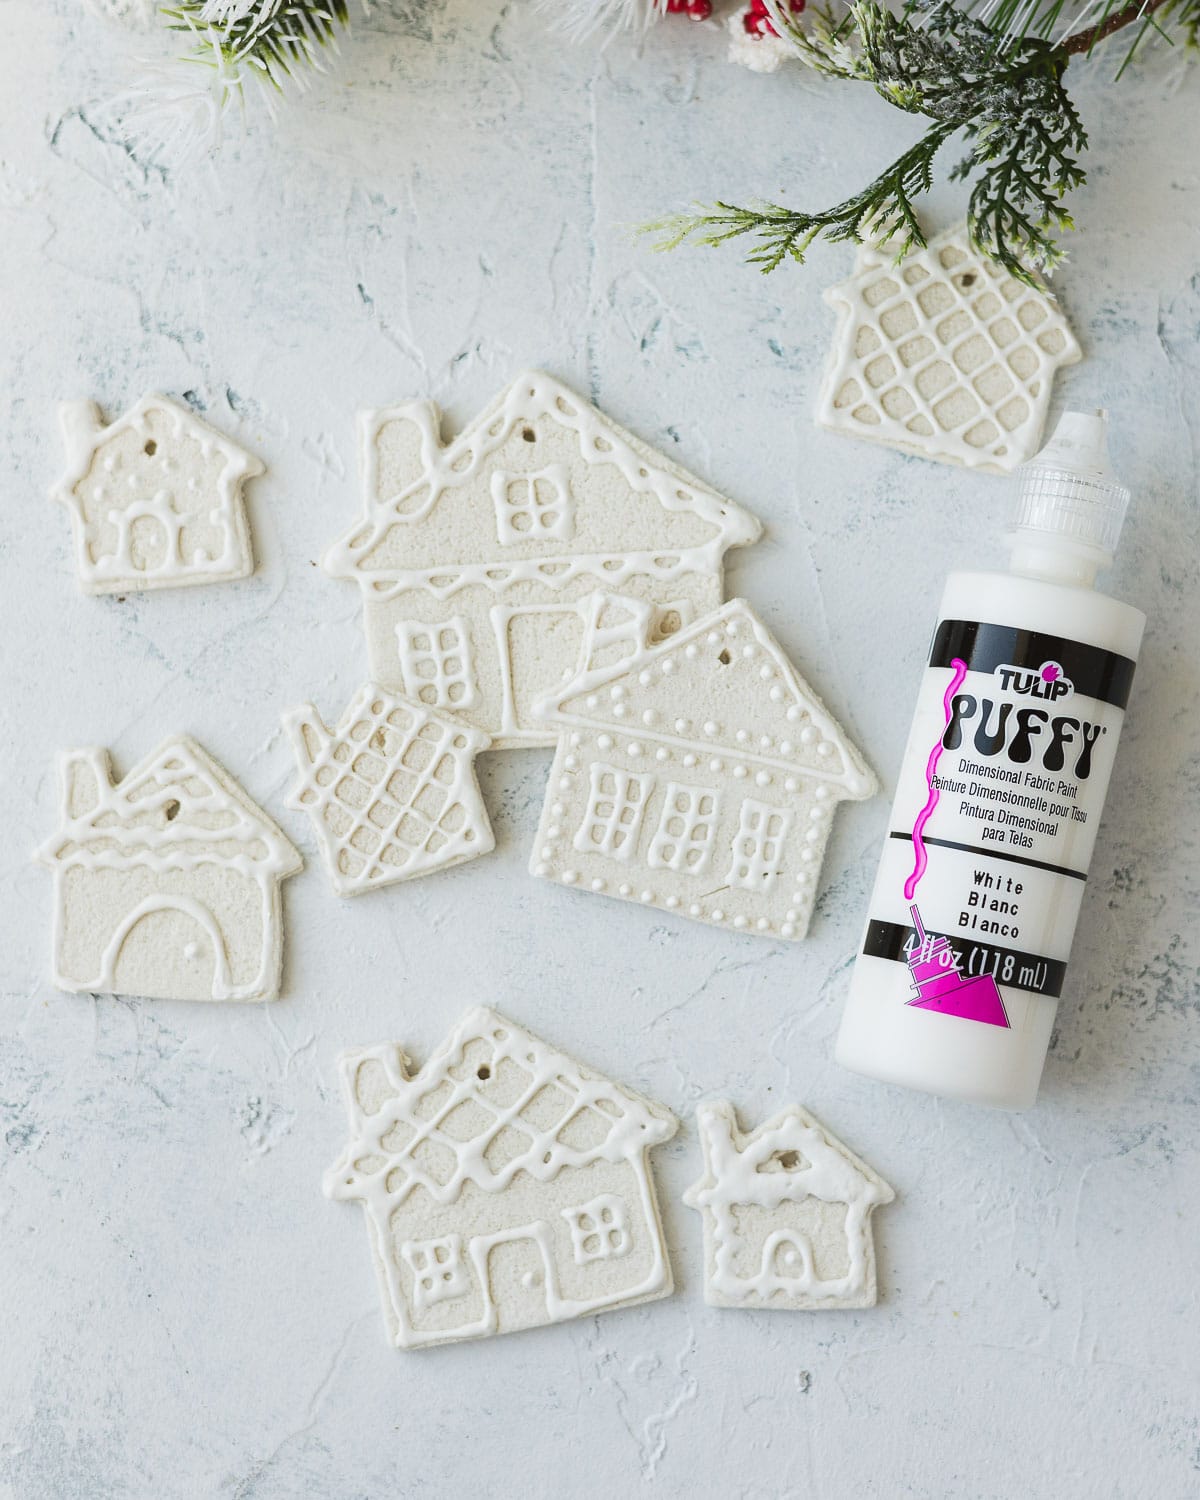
(599, 1229)
(534, 505)
(616, 806)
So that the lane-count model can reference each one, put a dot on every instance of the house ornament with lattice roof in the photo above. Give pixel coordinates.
(505, 1186)
(944, 355)
(696, 774)
(155, 498)
(391, 791)
(166, 881)
(476, 558)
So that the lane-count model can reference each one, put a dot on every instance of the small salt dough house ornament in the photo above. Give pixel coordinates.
(166, 883)
(698, 775)
(505, 1186)
(155, 498)
(476, 559)
(944, 355)
(391, 791)
(787, 1214)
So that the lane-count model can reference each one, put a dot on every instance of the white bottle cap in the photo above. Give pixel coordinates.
(1070, 497)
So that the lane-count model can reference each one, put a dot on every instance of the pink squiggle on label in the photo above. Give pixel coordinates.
(921, 860)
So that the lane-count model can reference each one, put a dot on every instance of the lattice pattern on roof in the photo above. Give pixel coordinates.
(945, 355)
(494, 1100)
(392, 791)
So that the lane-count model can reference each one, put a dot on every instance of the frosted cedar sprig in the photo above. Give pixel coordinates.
(1001, 87)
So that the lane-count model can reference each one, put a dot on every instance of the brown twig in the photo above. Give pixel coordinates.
(1117, 20)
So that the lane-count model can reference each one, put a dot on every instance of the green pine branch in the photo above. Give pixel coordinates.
(1003, 91)
(276, 42)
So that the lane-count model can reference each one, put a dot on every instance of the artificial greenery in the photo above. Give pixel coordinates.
(998, 83)
(276, 42)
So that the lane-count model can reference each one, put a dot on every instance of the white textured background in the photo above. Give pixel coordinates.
(181, 1313)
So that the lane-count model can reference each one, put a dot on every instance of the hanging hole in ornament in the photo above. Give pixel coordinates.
(724, 658)
(171, 810)
(968, 278)
(529, 435)
(789, 1160)
(150, 448)
(483, 1072)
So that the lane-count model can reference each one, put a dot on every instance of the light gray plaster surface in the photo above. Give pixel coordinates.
(181, 1313)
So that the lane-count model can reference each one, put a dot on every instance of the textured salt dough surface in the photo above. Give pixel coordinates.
(787, 1213)
(945, 356)
(505, 1186)
(183, 1313)
(166, 879)
(392, 791)
(476, 558)
(696, 773)
(155, 498)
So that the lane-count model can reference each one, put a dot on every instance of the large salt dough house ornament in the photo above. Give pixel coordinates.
(391, 791)
(787, 1214)
(155, 498)
(698, 775)
(476, 559)
(505, 1186)
(166, 883)
(944, 355)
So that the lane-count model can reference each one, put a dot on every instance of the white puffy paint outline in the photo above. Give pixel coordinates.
(734, 1175)
(112, 834)
(383, 1176)
(619, 715)
(84, 435)
(951, 261)
(369, 713)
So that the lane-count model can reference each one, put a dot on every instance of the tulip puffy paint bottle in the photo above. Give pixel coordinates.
(999, 797)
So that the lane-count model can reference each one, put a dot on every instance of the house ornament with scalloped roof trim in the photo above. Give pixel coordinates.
(477, 558)
(945, 356)
(698, 775)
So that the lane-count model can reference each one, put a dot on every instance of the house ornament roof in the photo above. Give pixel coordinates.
(176, 808)
(493, 1100)
(720, 685)
(532, 397)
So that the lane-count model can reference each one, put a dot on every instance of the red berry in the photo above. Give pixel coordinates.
(757, 18)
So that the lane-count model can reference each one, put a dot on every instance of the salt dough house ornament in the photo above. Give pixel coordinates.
(476, 559)
(166, 883)
(787, 1214)
(392, 791)
(698, 775)
(944, 355)
(155, 498)
(505, 1186)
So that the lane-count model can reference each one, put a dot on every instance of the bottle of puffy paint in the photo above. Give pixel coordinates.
(999, 797)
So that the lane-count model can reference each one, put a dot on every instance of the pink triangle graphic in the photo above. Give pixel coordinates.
(939, 986)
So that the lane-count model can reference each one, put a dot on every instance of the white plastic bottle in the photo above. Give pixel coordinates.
(999, 797)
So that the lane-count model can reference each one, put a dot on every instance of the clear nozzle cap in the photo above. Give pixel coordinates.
(1069, 497)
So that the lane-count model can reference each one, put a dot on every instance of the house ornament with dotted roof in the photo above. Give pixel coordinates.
(505, 1185)
(944, 355)
(697, 774)
(391, 791)
(155, 498)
